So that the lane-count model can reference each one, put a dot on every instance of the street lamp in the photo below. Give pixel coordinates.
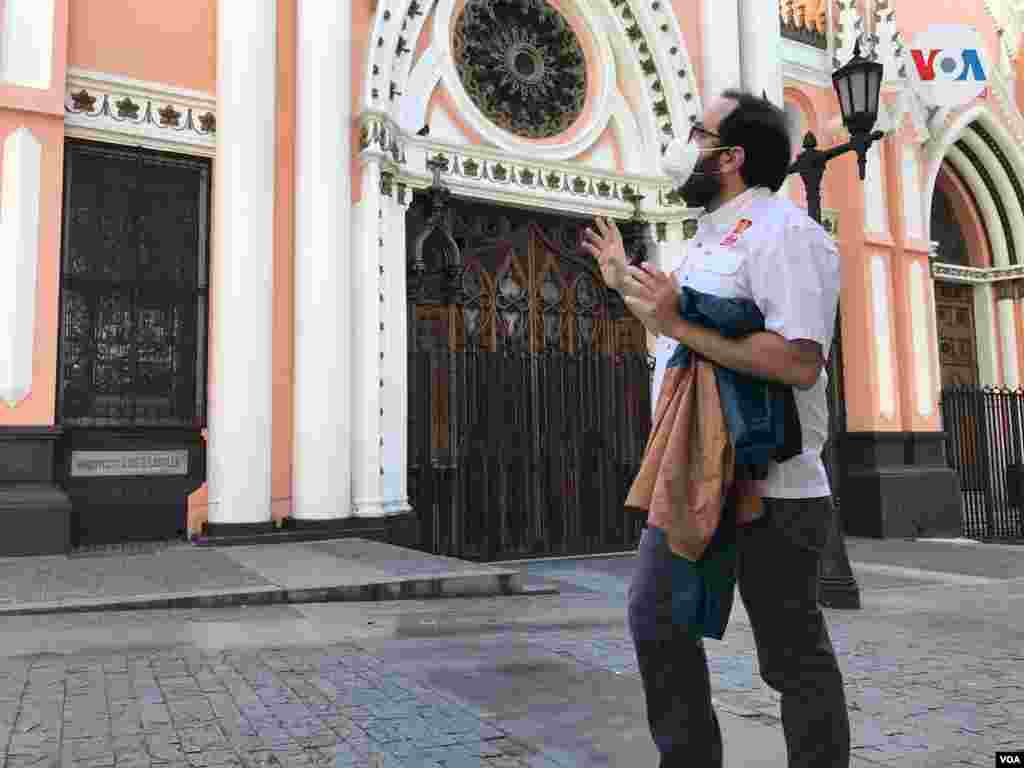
(857, 85)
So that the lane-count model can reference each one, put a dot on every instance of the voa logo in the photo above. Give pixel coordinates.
(949, 66)
(1005, 759)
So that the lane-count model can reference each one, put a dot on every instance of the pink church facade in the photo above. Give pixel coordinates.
(217, 285)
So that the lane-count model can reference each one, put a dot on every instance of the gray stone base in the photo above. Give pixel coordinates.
(905, 502)
(37, 520)
(34, 511)
(398, 529)
(898, 485)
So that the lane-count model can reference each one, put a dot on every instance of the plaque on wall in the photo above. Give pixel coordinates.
(128, 463)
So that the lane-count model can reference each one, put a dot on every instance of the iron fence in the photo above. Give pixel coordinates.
(985, 442)
(516, 453)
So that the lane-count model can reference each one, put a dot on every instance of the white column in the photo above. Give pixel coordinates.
(761, 47)
(720, 44)
(242, 277)
(321, 485)
(395, 361)
(1008, 334)
(368, 333)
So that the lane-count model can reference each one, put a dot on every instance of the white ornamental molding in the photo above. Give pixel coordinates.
(851, 27)
(889, 47)
(409, 162)
(955, 273)
(121, 110)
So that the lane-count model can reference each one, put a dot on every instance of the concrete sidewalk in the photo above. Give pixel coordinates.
(185, 576)
(181, 575)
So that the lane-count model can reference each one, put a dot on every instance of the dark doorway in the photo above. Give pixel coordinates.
(131, 394)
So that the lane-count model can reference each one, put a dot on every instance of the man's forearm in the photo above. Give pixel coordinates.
(764, 355)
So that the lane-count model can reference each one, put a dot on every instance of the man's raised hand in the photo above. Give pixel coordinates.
(606, 246)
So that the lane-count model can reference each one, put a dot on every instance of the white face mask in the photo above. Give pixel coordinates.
(680, 159)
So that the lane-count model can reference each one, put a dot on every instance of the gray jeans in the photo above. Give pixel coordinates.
(777, 574)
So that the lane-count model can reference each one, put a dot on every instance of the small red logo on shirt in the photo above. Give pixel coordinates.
(741, 226)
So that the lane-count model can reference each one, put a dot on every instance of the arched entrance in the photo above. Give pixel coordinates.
(529, 386)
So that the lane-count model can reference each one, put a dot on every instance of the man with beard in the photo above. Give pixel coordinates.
(750, 244)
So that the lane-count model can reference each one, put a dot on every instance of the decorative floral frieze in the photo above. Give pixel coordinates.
(416, 161)
(977, 275)
(528, 178)
(111, 104)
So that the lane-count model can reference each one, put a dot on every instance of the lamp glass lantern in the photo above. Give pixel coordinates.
(857, 85)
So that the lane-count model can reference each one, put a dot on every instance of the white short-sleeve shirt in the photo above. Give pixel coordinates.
(762, 247)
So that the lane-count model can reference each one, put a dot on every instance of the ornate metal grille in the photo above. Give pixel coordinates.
(133, 288)
(529, 387)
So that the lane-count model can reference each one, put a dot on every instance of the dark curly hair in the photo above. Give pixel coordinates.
(761, 129)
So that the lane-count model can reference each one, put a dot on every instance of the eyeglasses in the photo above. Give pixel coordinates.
(697, 129)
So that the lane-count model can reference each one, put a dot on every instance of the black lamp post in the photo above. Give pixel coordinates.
(857, 85)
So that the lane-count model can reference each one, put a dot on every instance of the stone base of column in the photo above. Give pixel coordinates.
(898, 485)
(236, 530)
(35, 510)
(398, 529)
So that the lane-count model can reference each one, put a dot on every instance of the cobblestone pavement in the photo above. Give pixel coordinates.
(933, 668)
(336, 706)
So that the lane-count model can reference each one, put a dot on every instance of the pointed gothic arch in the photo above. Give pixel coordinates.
(992, 164)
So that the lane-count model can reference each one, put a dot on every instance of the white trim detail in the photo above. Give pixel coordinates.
(919, 305)
(986, 206)
(19, 261)
(939, 146)
(805, 64)
(720, 44)
(876, 217)
(412, 109)
(26, 43)
(121, 110)
(1004, 188)
(913, 212)
(1008, 334)
(985, 336)
(883, 335)
(760, 26)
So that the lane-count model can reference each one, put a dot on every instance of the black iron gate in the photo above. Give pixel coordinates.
(985, 444)
(529, 386)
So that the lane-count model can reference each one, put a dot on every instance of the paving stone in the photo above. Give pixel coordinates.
(98, 752)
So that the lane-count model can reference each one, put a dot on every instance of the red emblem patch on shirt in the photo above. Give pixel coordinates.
(741, 226)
